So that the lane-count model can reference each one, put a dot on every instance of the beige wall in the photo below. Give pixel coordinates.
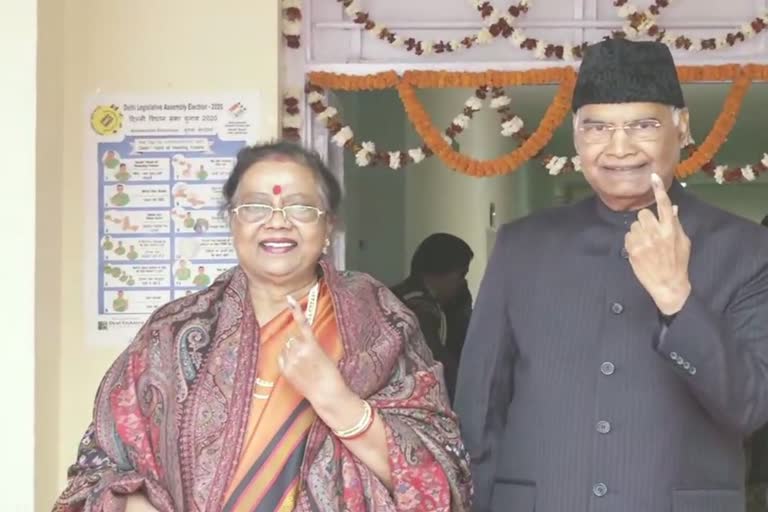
(48, 338)
(133, 47)
(18, 27)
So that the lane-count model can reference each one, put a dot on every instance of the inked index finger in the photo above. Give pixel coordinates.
(299, 318)
(663, 203)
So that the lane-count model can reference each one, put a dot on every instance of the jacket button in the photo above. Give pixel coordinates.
(599, 490)
(607, 368)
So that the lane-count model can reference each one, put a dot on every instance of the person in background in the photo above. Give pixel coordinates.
(437, 292)
(284, 385)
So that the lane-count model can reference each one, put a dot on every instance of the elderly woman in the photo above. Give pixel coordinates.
(285, 385)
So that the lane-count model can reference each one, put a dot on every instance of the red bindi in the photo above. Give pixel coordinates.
(277, 190)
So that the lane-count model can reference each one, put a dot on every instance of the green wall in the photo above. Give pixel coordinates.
(373, 208)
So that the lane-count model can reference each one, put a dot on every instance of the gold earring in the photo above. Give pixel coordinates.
(327, 244)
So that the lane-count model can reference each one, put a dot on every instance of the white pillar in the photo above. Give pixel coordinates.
(18, 54)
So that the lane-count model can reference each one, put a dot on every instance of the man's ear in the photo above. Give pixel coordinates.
(684, 128)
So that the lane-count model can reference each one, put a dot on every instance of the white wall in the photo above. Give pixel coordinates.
(18, 42)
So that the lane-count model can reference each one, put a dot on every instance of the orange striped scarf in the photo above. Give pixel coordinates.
(266, 478)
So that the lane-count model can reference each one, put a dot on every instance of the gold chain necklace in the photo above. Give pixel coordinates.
(309, 313)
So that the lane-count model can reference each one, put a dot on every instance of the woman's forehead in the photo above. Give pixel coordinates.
(278, 176)
(286, 181)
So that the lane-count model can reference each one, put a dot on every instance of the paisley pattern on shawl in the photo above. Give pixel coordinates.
(170, 414)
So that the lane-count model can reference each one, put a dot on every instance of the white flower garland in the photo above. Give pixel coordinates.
(291, 118)
(511, 127)
(637, 24)
(719, 173)
(367, 153)
(722, 174)
(649, 28)
(343, 136)
(543, 49)
(511, 124)
(748, 173)
(363, 157)
(291, 25)
(394, 160)
(556, 164)
(419, 47)
(417, 155)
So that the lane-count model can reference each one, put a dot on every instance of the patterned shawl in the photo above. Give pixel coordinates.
(171, 412)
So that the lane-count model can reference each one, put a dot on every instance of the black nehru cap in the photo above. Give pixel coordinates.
(622, 71)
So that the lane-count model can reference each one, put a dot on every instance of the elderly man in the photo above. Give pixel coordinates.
(617, 355)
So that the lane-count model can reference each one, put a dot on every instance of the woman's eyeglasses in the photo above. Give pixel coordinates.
(260, 213)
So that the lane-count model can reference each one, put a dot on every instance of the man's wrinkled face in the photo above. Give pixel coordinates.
(621, 144)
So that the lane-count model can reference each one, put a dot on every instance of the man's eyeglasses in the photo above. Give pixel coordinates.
(601, 133)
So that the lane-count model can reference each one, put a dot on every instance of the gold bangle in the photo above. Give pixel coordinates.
(360, 426)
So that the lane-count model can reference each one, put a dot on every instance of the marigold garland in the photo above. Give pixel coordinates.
(532, 145)
(422, 123)
(442, 79)
(720, 129)
(366, 152)
(383, 80)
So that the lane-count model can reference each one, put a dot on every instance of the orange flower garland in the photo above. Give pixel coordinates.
(383, 80)
(720, 130)
(553, 117)
(531, 146)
